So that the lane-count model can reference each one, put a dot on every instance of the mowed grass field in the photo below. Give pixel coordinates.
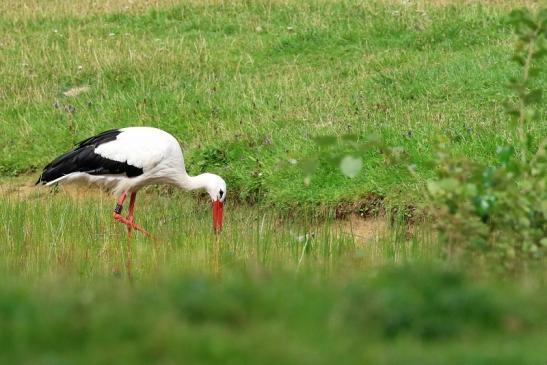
(245, 87)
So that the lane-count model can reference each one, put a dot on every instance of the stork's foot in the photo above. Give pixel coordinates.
(130, 224)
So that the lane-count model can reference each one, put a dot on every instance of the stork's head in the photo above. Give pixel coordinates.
(216, 187)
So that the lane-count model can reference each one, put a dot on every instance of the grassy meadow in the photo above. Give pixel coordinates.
(244, 86)
(317, 271)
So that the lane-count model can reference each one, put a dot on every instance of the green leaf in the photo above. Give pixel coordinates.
(505, 153)
(350, 166)
(325, 141)
(350, 138)
(434, 188)
(513, 167)
(483, 205)
(519, 59)
(309, 165)
(534, 71)
(533, 97)
(488, 175)
(514, 113)
(471, 189)
(524, 222)
(539, 53)
(374, 138)
(515, 17)
(544, 208)
(448, 184)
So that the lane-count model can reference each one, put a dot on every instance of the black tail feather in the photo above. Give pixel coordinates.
(84, 159)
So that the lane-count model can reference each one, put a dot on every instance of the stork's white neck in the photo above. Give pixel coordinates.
(188, 182)
(213, 184)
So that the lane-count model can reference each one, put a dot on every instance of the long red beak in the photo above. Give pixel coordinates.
(217, 216)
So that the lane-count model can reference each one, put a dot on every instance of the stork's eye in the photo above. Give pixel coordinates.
(220, 193)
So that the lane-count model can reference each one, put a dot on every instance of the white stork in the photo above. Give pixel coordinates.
(127, 159)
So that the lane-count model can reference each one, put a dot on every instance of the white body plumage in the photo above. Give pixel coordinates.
(154, 151)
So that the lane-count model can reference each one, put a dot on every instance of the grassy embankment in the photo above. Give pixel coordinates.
(245, 86)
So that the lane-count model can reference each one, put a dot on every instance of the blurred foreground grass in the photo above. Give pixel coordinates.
(409, 314)
(264, 293)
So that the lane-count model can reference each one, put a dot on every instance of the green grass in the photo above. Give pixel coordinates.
(257, 294)
(50, 232)
(244, 86)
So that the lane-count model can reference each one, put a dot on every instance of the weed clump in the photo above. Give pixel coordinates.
(425, 302)
(499, 208)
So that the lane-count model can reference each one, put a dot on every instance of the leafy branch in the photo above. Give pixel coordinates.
(501, 208)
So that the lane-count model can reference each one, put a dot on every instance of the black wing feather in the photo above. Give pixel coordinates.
(84, 159)
(103, 137)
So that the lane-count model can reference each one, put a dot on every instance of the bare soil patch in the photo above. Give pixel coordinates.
(363, 229)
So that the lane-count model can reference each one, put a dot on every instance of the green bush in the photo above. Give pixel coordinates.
(500, 208)
(423, 302)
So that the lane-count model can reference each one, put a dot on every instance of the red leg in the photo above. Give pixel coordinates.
(129, 220)
(130, 213)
